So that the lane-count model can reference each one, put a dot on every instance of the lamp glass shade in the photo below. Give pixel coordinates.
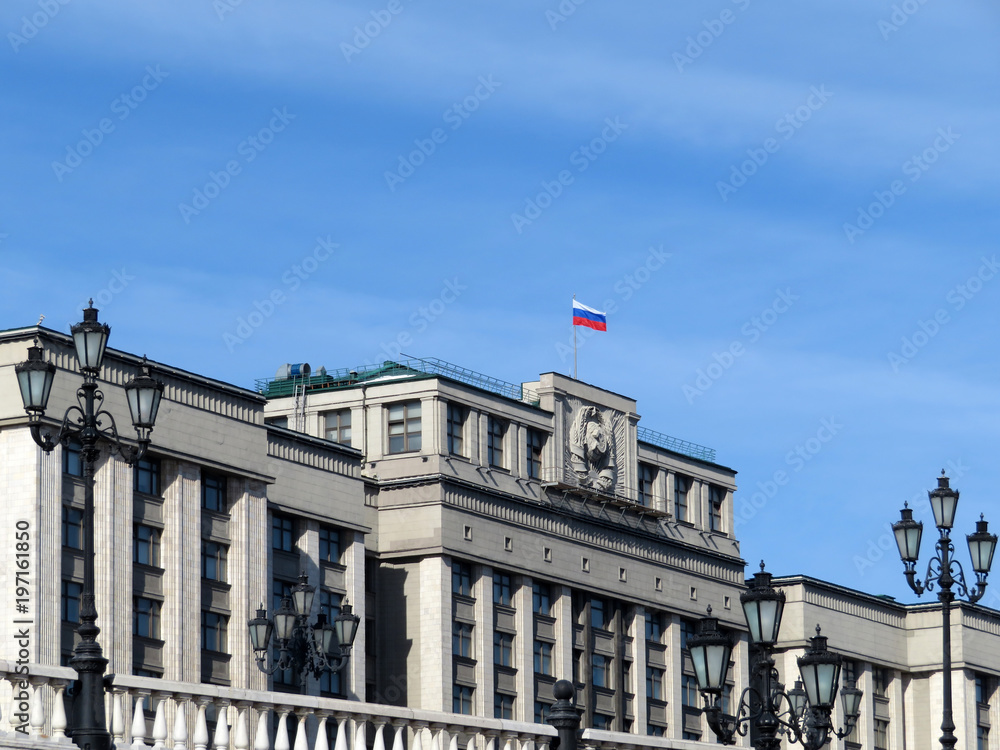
(325, 638)
(144, 394)
(303, 595)
(820, 670)
(797, 699)
(710, 652)
(284, 620)
(260, 631)
(944, 502)
(851, 700)
(763, 606)
(90, 339)
(346, 625)
(908, 533)
(35, 378)
(982, 545)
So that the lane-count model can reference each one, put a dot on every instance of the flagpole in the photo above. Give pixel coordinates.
(574, 347)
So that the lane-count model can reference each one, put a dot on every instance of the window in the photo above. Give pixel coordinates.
(654, 626)
(655, 731)
(282, 533)
(214, 632)
(681, 486)
(330, 682)
(71, 594)
(541, 599)
(654, 683)
(72, 458)
(536, 441)
(338, 426)
(600, 670)
(983, 689)
(329, 544)
(647, 475)
(461, 640)
(147, 476)
(502, 589)
(603, 721)
(213, 561)
(880, 682)
(881, 734)
(146, 545)
(461, 579)
(542, 712)
(330, 603)
(982, 738)
(495, 430)
(689, 691)
(213, 493)
(688, 629)
(456, 428)
(543, 657)
(686, 735)
(503, 706)
(145, 617)
(462, 699)
(600, 613)
(716, 496)
(404, 427)
(72, 527)
(503, 649)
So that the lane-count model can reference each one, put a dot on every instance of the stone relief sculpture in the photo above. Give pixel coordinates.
(592, 450)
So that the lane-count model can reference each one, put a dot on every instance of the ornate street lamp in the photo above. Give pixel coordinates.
(801, 714)
(305, 649)
(89, 424)
(944, 571)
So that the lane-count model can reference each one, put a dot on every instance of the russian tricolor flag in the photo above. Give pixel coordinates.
(588, 316)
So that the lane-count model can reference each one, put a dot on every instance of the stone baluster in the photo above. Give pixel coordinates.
(361, 733)
(179, 735)
(138, 725)
(221, 739)
(398, 735)
(341, 743)
(491, 740)
(160, 725)
(301, 735)
(36, 712)
(59, 723)
(201, 726)
(379, 734)
(471, 744)
(322, 741)
(508, 741)
(453, 736)
(118, 698)
(418, 735)
(261, 740)
(437, 736)
(281, 736)
(241, 739)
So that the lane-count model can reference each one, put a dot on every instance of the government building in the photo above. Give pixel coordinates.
(491, 537)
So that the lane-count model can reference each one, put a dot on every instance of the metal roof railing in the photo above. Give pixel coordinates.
(676, 444)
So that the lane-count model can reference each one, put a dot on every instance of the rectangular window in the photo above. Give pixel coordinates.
(495, 430)
(329, 544)
(456, 429)
(654, 683)
(541, 599)
(72, 459)
(71, 594)
(461, 639)
(983, 689)
(330, 603)
(213, 493)
(461, 579)
(503, 706)
(600, 613)
(681, 486)
(881, 735)
(542, 712)
(716, 496)
(72, 527)
(502, 589)
(213, 561)
(654, 626)
(146, 545)
(214, 632)
(503, 649)
(601, 670)
(462, 699)
(688, 629)
(337, 426)
(145, 617)
(536, 441)
(647, 475)
(147, 476)
(543, 657)
(880, 682)
(282, 533)
(689, 691)
(603, 721)
(404, 427)
(982, 738)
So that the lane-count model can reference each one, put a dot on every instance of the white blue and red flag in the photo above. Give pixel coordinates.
(589, 317)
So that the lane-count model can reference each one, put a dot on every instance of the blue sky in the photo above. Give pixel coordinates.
(791, 211)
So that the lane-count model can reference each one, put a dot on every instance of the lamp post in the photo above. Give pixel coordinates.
(801, 714)
(945, 572)
(306, 649)
(88, 423)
